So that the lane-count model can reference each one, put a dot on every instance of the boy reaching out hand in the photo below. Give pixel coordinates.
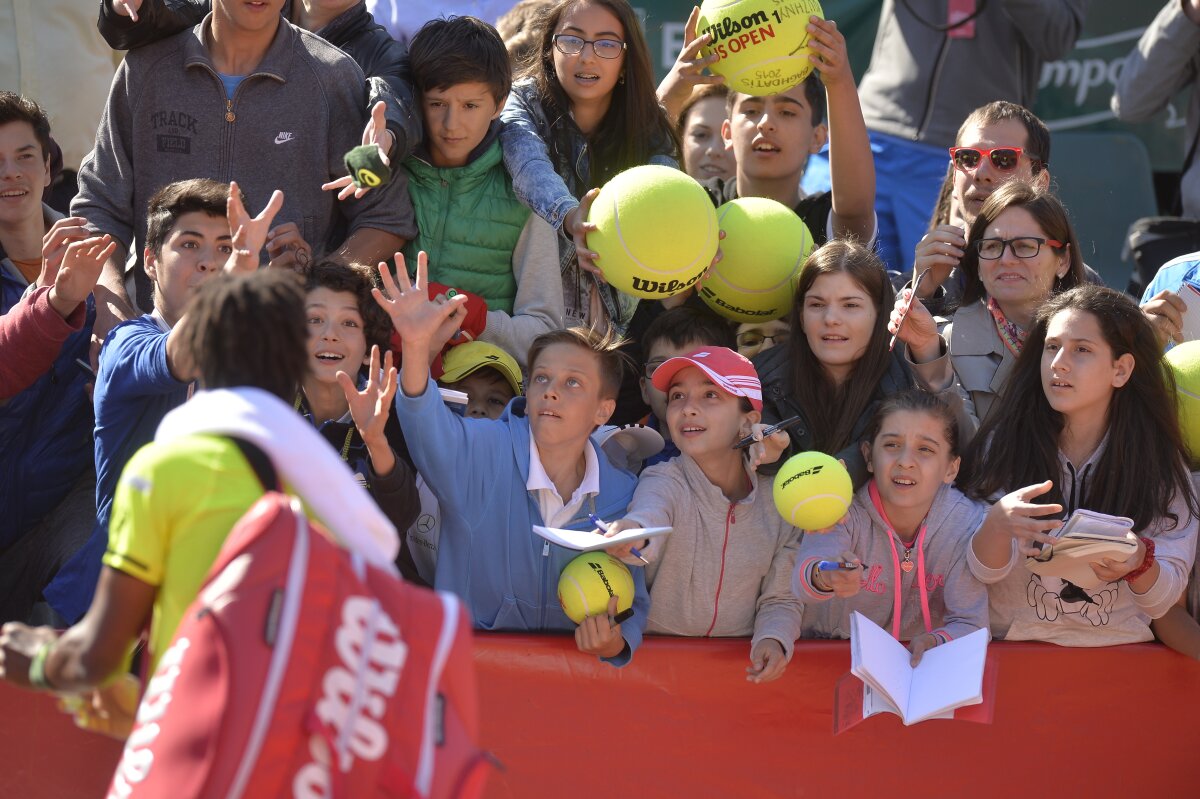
(495, 479)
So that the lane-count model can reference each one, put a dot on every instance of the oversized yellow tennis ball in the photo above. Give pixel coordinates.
(657, 231)
(586, 583)
(762, 45)
(764, 247)
(813, 491)
(1184, 360)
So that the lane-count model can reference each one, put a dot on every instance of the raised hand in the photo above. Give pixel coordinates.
(376, 133)
(1165, 312)
(249, 233)
(79, 271)
(917, 328)
(939, 251)
(371, 407)
(287, 249)
(767, 661)
(55, 242)
(577, 227)
(1019, 518)
(622, 552)
(766, 450)
(127, 8)
(419, 320)
(827, 52)
(688, 70)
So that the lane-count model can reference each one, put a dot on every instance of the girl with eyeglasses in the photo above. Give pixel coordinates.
(1088, 421)
(1020, 250)
(583, 110)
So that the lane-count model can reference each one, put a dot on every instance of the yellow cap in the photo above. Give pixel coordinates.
(465, 359)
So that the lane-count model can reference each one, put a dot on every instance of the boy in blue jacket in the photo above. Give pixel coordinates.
(535, 465)
(141, 376)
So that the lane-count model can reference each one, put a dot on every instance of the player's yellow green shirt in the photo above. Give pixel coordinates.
(174, 505)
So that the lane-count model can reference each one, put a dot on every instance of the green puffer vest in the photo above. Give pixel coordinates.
(469, 221)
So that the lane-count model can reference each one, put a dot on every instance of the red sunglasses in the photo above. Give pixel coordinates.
(968, 159)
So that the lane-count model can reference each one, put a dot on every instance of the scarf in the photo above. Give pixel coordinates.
(1012, 336)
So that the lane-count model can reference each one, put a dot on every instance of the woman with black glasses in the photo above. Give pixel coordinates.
(1020, 250)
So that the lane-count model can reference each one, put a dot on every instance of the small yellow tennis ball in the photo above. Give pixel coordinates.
(657, 231)
(1184, 360)
(813, 491)
(762, 45)
(765, 246)
(587, 583)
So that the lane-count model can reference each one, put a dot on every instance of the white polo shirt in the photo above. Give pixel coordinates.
(554, 512)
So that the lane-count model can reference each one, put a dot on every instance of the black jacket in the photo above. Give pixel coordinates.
(382, 59)
(779, 402)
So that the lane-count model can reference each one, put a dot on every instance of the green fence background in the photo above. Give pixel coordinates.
(1074, 92)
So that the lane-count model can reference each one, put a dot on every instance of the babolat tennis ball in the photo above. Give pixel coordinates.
(1184, 360)
(813, 491)
(762, 45)
(765, 246)
(656, 231)
(587, 583)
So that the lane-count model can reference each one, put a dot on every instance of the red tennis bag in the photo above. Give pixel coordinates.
(300, 671)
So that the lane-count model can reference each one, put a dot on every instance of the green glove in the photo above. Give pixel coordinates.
(365, 164)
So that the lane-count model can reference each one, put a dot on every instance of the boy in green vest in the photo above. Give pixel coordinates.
(480, 238)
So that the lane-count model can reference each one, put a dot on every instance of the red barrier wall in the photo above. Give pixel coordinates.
(681, 721)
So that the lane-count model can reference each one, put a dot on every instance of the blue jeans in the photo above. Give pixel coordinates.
(908, 177)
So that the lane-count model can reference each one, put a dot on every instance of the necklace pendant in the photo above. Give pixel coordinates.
(906, 566)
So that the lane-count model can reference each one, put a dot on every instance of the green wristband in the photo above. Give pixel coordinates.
(37, 668)
(365, 164)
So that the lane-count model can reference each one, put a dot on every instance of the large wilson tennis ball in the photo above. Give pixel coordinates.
(813, 491)
(586, 583)
(1184, 360)
(657, 231)
(762, 45)
(764, 247)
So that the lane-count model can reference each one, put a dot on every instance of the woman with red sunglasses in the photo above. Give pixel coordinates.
(1020, 250)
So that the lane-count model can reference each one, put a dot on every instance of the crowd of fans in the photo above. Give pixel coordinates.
(452, 338)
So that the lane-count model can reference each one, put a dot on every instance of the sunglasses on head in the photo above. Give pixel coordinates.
(968, 159)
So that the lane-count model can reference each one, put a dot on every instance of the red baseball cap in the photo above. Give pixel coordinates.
(732, 372)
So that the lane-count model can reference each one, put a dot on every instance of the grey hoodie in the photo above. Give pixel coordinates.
(1026, 607)
(726, 569)
(286, 127)
(957, 601)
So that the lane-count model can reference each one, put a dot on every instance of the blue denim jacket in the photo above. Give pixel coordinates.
(550, 180)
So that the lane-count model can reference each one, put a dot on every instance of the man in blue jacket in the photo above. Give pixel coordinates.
(535, 465)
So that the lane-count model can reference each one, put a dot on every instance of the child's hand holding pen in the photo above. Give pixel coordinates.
(627, 552)
(767, 442)
(841, 577)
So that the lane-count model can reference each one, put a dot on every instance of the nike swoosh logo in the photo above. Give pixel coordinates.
(283, 137)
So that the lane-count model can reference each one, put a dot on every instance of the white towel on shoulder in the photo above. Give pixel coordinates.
(304, 460)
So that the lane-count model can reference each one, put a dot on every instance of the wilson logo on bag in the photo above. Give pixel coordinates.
(301, 671)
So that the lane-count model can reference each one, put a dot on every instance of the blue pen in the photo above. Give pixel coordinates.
(836, 565)
(603, 525)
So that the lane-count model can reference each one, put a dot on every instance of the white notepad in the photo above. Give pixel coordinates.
(590, 540)
(949, 676)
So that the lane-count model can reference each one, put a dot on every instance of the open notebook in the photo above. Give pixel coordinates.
(949, 676)
(1086, 538)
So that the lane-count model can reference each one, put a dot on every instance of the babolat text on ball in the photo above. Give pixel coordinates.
(761, 45)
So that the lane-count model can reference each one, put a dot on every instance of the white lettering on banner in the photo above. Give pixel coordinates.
(672, 43)
(368, 671)
(138, 757)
